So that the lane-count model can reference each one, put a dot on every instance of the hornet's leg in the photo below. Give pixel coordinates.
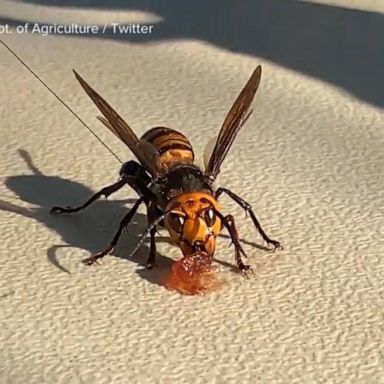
(126, 219)
(248, 209)
(152, 250)
(104, 192)
(151, 214)
(229, 223)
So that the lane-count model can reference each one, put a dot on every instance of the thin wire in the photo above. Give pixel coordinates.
(60, 99)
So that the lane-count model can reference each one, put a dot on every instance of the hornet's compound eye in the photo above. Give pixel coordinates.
(210, 217)
(176, 222)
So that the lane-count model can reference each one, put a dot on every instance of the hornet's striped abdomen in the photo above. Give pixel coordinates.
(173, 147)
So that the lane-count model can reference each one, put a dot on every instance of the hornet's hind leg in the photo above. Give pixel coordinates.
(248, 209)
(131, 173)
(124, 222)
(104, 192)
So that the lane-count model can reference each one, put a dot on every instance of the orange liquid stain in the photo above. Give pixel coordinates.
(193, 275)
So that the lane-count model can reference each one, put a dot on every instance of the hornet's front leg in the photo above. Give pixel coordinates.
(152, 250)
(124, 222)
(248, 209)
(151, 215)
(229, 223)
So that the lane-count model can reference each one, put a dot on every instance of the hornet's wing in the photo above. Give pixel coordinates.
(140, 148)
(235, 119)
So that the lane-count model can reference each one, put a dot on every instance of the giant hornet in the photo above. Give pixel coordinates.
(177, 193)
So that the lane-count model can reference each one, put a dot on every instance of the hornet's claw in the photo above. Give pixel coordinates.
(94, 258)
(276, 245)
(245, 270)
(91, 260)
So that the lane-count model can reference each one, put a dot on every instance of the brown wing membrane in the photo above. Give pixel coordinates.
(120, 128)
(235, 119)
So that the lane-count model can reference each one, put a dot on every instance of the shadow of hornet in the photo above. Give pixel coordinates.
(79, 230)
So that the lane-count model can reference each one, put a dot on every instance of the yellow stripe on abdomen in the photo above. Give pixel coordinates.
(172, 145)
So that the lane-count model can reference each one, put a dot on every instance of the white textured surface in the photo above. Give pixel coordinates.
(310, 160)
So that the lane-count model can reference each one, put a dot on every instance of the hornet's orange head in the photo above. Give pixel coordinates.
(192, 222)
